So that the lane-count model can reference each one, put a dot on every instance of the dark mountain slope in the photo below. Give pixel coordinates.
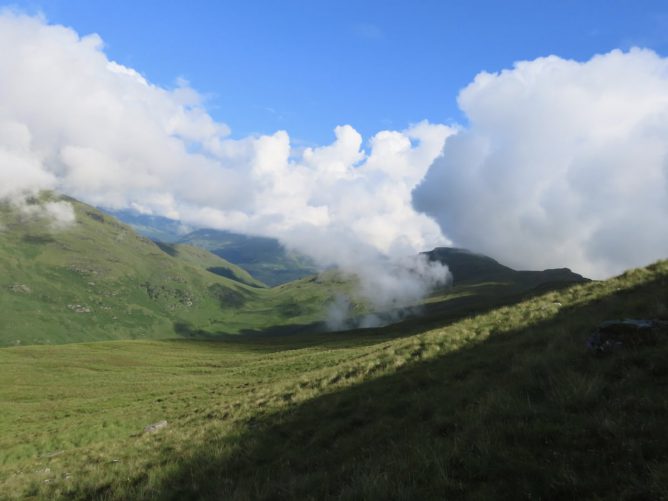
(468, 267)
(480, 284)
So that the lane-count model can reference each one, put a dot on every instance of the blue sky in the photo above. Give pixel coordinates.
(307, 66)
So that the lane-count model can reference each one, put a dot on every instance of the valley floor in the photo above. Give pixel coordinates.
(505, 404)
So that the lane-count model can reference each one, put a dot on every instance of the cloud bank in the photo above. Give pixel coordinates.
(74, 121)
(563, 163)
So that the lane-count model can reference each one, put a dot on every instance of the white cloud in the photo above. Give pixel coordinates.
(563, 163)
(60, 214)
(74, 121)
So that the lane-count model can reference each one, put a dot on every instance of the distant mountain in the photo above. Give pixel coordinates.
(157, 228)
(204, 259)
(481, 283)
(469, 267)
(264, 258)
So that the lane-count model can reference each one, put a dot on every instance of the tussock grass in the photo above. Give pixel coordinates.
(505, 404)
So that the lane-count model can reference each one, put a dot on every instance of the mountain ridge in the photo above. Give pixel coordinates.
(467, 266)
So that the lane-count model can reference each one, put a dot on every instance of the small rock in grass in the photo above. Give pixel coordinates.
(53, 454)
(79, 308)
(152, 428)
(20, 289)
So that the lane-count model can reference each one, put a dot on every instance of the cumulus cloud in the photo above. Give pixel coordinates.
(74, 121)
(562, 163)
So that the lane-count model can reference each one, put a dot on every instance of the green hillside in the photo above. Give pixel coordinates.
(265, 258)
(203, 259)
(97, 279)
(506, 404)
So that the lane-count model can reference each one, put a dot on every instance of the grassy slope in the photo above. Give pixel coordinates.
(99, 280)
(506, 404)
(203, 259)
(264, 258)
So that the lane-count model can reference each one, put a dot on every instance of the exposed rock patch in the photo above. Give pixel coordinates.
(613, 335)
(20, 289)
(79, 308)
